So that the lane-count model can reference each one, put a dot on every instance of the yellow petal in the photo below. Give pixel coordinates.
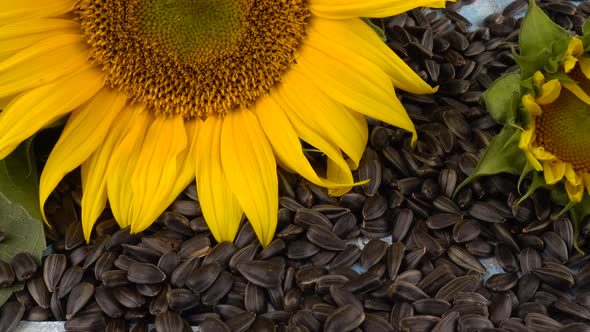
(220, 207)
(527, 136)
(156, 170)
(285, 142)
(42, 63)
(34, 109)
(571, 175)
(533, 161)
(19, 35)
(549, 92)
(585, 66)
(575, 49)
(12, 10)
(317, 140)
(122, 164)
(94, 184)
(529, 103)
(538, 78)
(356, 36)
(187, 159)
(577, 91)
(343, 9)
(553, 170)
(325, 115)
(540, 153)
(338, 175)
(353, 81)
(85, 131)
(250, 169)
(574, 192)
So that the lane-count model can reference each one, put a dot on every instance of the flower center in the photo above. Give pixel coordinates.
(562, 128)
(193, 57)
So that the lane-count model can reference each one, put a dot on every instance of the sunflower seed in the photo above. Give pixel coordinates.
(6, 275)
(419, 323)
(539, 322)
(10, 315)
(472, 322)
(502, 282)
(555, 246)
(466, 283)
(554, 277)
(39, 292)
(86, 322)
(307, 217)
(436, 279)
(464, 259)
(434, 307)
(324, 238)
(24, 266)
(405, 291)
(180, 299)
(442, 220)
(145, 273)
(181, 274)
(347, 257)
(79, 296)
(345, 318)
(466, 230)
(170, 321)
(372, 253)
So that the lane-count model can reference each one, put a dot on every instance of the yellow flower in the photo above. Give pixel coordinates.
(557, 138)
(162, 92)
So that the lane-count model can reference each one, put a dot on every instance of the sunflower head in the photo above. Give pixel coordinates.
(545, 109)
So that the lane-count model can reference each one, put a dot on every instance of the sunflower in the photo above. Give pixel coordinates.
(162, 92)
(556, 139)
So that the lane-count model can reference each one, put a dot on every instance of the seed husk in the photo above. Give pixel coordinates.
(241, 322)
(539, 322)
(324, 238)
(38, 290)
(171, 321)
(473, 322)
(372, 253)
(79, 296)
(555, 246)
(466, 283)
(464, 259)
(554, 277)
(466, 230)
(434, 307)
(24, 266)
(10, 315)
(114, 278)
(6, 275)
(345, 318)
(197, 246)
(347, 257)
(107, 302)
(218, 289)
(402, 222)
(442, 220)
(254, 299)
(145, 273)
(502, 282)
(183, 271)
(128, 297)
(86, 322)
(266, 274)
(419, 323)
(180, 299)
(405, 291)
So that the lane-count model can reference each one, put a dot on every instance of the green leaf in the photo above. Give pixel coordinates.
(586, 27)
(20, 217)
(538, 32)
(503, 97)
(377, 29)
(502, 156)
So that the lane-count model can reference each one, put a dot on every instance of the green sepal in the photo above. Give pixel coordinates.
(502, 156)
(537, 182)
(538, 32)
(503, 97)
(560, 76)
(531, 64)
(586, 27)
(375, 28)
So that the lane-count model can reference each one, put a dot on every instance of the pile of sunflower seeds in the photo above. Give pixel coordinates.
(399, 253)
